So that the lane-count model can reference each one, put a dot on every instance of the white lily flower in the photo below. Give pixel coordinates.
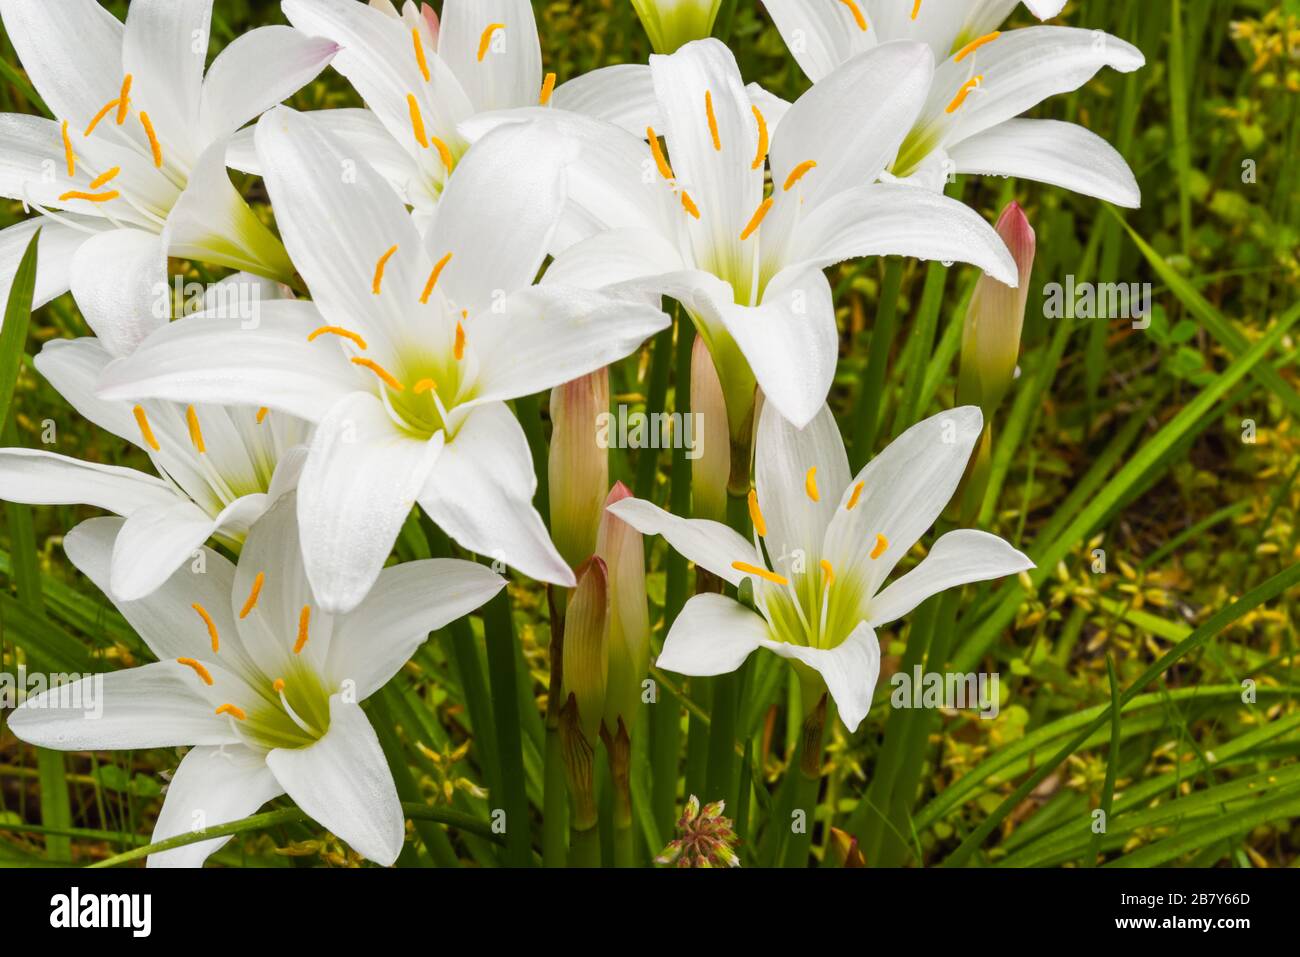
(132, 168)
(985, 79)
(261, 682)
(420, 78)
(823, 546)
(219, 467)
(693, 223)
(418, 342)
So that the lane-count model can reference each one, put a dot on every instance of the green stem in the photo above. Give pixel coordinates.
(865, 420)
(500, 636)
(555, 804)
(584, 847)
(806, 784)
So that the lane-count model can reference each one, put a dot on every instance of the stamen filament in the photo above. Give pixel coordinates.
(762, 573)
(756, 220)
(417, 120)
(146, 432)
(123, 100)
(975, 44)
(261, 414)
(828, 572)
(853, 499)
(232, 710)
(485, 40)
(688, 204)
(154, 146)
(89, 197)
(882, 543)
(661, 161)
(384, 374)
(964, 92)
(756, 514)
(196, 433)
(438, 267)
(763, 141)
(253, 592)
(444, 153)
(199, 670)
(458, 348)
(548, 87)
(104, 177)
(68, 154)
(379, 271)
(212, 626)
(304, 619)
(810, 484)
(103, 112)
(858, 18)
(338, 331)
(798, 173)
(713, 120)
(419, 53)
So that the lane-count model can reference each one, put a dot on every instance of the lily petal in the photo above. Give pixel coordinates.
(119, 279)
(711, 545)
(37, 477)
(713, 635)
(492, 47)
(850, 670)
(481, 493)
(957, 558)
(344, 783)
(164, 48)
(212, 786)
(361, 479)
(820, 36)
(622, 94)
(1049, 151)
(55, 251)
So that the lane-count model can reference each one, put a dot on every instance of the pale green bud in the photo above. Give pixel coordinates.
(586, 649)
(578, 466)
(711, 456)
(620, 546)
(671, 23)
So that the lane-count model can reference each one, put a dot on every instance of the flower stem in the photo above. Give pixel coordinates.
(618, 747)
(865, 420)
(555, 804)
(502, 674)
(806, 785)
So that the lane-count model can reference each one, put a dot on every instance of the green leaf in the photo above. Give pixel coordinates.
(13, 334)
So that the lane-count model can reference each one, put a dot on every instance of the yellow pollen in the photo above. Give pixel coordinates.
(212, 626)
(417, 120)
(762, 139)
(458, 348)
(548, 87)
(661, 161)
(882, 543)
(756, 514)
(89, 197)
(688, 204)
(486, 39)
(104, 177)
(828, 572)
(438, 267)
(336, 331)
(798, 173)
(974, 45)
(419, 53)
(763, 573)
(154, 146)
(424, 385)
(103, 112)
(68, 154)
(253, 592)
(146, 432)
(233, 711)
(380, 371)
(916, 8)
(123, 100)
(853, 499)
(196, 433)
(199, 670)
(964, 92)
(278, 685)
(444, 153)
(756, 219)
(713, 120)
(304, 618)
(261, 414)
(858, 18)
(379, 271)
(810, 484)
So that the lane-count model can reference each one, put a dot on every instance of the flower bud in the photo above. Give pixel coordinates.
(711, 455)
(990, 343)
(578, 466)
(586, 650)
(620, 547)
(671, 23)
